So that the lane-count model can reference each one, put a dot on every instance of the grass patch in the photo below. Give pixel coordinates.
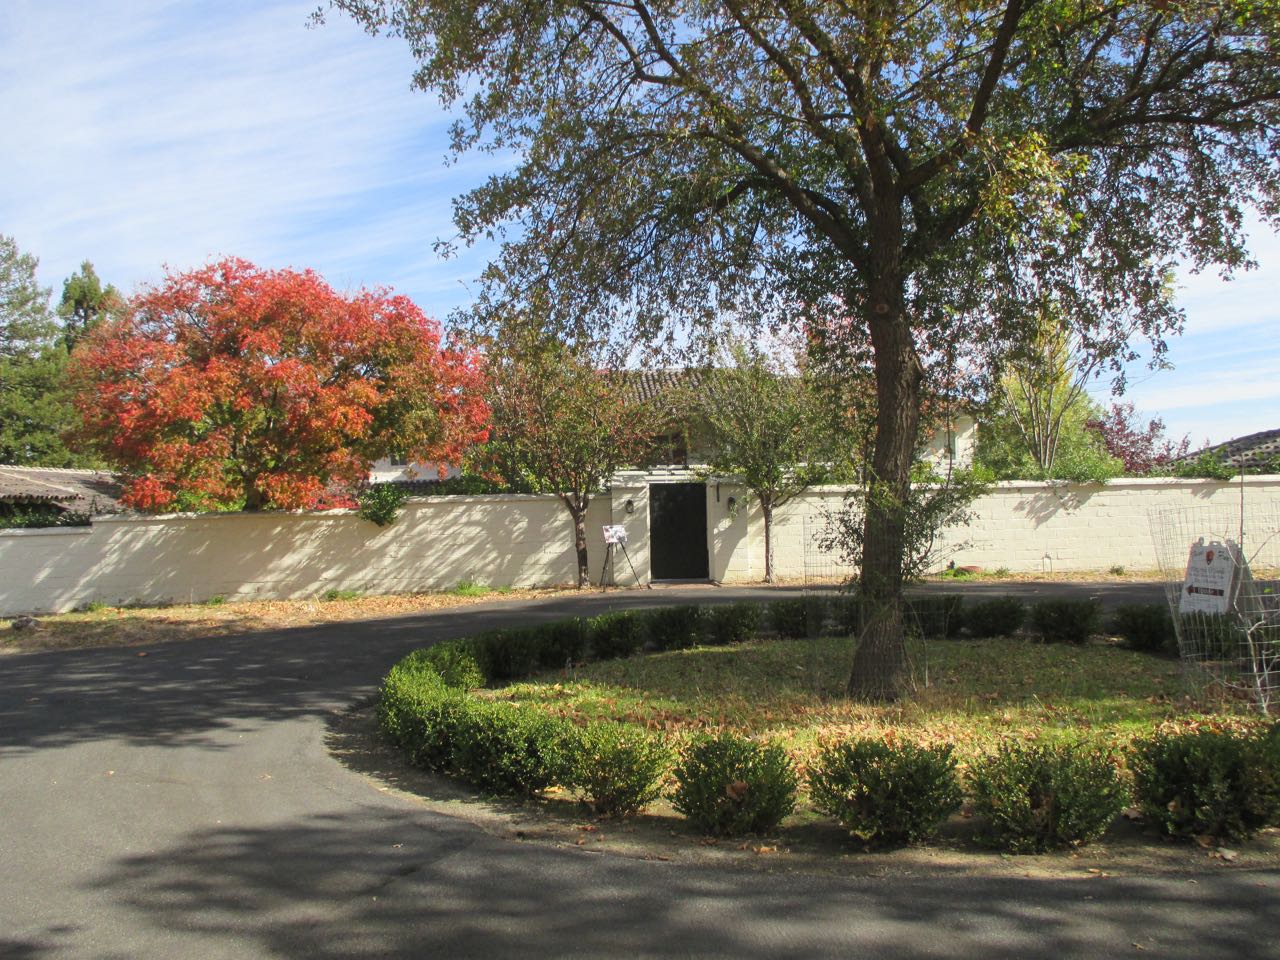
(979, 694)
(334, 594)
(470, 588)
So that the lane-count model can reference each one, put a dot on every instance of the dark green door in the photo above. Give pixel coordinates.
(678, 531)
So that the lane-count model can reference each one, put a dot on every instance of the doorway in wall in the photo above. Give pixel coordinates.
(678, 531)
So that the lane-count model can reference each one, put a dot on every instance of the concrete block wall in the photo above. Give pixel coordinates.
(1022, 526)
(524, 541)
(516, 541)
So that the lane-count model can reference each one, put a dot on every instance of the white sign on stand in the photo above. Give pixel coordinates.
(615, 533)
(1211, 573)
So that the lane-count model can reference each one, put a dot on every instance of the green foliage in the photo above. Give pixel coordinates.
(1214, 636)
(505, 654)
(768, 428)
(1042, 425)
(380, 503)
(38, 515)
(1145, 626)
(618, 634)
(336, 594)
(1066, 621)
(217, 600)
(931, 505)
(86, 303)
(727, 785)
(935, 616)
(470, 588)
(421, 715)
(674, 628)
(516, 653)
(561, 422)
(511, 750)
(995, 617)
(1223, 784)
(559, 643)
(847, 612)
(453, 661)
(725, 623)
(1208, 465)
(792, 618)
(35, 399)
(1037, 797)
(884, 793)
(470, 484)
(618, 769)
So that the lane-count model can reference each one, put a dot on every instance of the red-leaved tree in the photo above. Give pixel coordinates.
(233, 386)
(1142, 449)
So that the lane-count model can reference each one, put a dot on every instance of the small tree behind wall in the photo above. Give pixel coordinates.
(563, 425)
(770, 427)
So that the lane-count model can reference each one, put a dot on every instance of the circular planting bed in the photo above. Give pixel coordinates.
(730, 719)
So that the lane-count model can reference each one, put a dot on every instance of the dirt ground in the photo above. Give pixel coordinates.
(134, 626)
(807, 845)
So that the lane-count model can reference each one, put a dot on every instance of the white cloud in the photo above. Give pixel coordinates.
(162, 133)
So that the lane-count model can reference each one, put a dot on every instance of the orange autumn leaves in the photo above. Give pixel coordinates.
(233, 386)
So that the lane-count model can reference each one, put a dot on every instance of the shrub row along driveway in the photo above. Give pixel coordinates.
(182, 803)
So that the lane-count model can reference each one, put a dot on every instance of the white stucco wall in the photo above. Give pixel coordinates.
(499, 541)
(527, 541)
(1022, 526)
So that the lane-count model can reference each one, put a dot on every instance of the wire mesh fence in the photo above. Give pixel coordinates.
(1220, 567)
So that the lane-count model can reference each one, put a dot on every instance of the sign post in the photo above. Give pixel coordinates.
(615, 538)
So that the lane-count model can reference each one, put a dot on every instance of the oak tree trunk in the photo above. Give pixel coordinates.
(879, 663)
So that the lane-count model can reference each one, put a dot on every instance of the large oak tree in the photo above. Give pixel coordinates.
(923, 164)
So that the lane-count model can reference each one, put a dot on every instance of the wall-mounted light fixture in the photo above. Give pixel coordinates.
(629, 507)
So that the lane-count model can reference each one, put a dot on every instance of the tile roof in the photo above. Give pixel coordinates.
(78, 491)
(1251, 451)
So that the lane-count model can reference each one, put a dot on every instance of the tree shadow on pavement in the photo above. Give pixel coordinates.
(390, 883)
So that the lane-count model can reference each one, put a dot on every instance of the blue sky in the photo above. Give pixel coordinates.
(144, 134)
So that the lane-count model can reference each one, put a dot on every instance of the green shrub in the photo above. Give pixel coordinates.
(1145, 626)
(728, 785)
(673, 628)
(505, 654)
(790, 618)
(938, 616)
(618, 769)
(512, 750)
(613, 635)
(1066, 621)
(421, 715)
(558, 643)
(1039, 797)
(885, 794)
(846, 610)
(452, 661)
(1211, 782)
(995, 617)
(1214, 636)
(380, 503)
(730, 622)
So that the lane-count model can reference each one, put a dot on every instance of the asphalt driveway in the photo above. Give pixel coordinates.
(179, 801)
